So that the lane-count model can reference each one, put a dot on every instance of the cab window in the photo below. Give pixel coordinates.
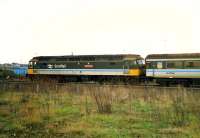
(30, 65)
(140, 62)
(132, 64)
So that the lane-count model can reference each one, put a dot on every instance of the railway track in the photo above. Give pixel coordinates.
(152, 85)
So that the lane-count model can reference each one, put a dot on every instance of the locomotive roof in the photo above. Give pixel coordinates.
(173, 56)
(90, 57)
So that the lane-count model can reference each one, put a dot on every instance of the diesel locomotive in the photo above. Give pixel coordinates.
(123, 67)
(163, 69)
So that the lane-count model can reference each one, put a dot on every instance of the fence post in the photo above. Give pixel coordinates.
(130, 99)
(37, 87)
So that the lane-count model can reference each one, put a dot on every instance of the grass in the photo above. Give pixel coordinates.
(95, 111)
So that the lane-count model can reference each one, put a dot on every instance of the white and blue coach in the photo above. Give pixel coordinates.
(169, 69)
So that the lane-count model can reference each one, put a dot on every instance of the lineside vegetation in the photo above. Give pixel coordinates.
(98, 111)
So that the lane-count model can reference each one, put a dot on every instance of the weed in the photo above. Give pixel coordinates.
(98, 111)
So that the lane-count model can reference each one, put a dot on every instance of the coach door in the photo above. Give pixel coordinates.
(159, 67)
(153, 68)
(150, 68)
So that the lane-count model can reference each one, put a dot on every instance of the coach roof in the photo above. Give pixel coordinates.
(174, 56)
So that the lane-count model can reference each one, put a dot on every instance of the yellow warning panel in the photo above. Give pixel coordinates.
(134, 72)
(30, 71)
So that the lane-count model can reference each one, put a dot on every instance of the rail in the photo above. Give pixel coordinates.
(5, 85)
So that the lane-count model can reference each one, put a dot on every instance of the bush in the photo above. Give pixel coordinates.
(6, 74)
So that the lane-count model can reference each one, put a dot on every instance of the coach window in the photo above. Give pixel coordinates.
(189, 64)
(174, 64)
(196, 64)
(151, 65)
(192, 64)
(159, 65)
(170, 65)
(112, 63)
(147, 65)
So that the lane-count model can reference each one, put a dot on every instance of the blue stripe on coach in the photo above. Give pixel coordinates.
(173, 70)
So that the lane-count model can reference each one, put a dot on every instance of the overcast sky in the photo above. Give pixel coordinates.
(59, 27)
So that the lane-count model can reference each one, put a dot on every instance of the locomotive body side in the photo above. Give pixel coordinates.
(87, 65)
